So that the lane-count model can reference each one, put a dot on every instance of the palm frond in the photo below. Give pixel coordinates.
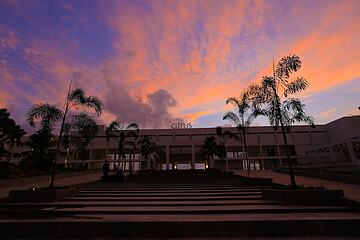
(95, 103)
(232, 117)
(77, 95)
(113, 126)
(85, 126)
(47, 114)
(295, 86)
(133, 126)
(78, 98)
(287, 65)
(234, 101)
(295, 110)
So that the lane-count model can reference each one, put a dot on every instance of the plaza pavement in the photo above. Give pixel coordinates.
(66, 179)
(351, 191)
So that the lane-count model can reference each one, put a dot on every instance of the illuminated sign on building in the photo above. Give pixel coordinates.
(183, 125)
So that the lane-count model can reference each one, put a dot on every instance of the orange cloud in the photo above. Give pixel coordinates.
(201, 52)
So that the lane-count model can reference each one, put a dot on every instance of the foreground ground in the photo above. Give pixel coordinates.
(351, 191)
(66, 179)
(219, 209)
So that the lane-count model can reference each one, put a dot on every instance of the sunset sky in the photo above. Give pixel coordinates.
(153, 62)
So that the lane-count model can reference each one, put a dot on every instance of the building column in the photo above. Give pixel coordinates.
(90, 153)
(192, 157)
(351, 151)
(261, 152)
(333, 158)
(167, 157)
(278, 148)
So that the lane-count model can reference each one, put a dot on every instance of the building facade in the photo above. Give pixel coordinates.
(336, 144)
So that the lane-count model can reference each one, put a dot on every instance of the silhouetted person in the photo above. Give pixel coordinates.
(105, 170)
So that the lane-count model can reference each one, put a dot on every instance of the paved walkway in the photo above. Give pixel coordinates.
(351, 191)
(43, 181)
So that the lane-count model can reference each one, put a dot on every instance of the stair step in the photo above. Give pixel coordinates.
(166, 198)
(166, 194)
(199, 209)
(166, 191)
(138, 203)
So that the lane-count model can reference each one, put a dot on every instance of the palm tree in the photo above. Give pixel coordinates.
(242, 119)
(110, 132)
(50, 114)
(39, 156)
(15, 133)
(272, 95)
(10, 135)
(85, 129)
(222, 151)
(209, 149)
(147, 145)
(131, 131)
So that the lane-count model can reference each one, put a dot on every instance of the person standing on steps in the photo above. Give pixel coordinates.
(105, 170)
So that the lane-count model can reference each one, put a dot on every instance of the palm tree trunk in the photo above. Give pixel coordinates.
(90, 153)
(226, 159)
(279, 115)
(53, 170)
(52, 178)
(246, 154)
(67, 157)
(12, 152)
(148, 167)
(107, 149)
(292, 177)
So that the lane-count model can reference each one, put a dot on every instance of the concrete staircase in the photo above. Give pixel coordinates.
(173, 210)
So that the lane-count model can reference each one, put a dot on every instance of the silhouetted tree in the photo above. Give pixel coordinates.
(242, 118)
(147, 145)
(222, 151)
(85, 129)
(10, 133)
(209, 149)
(50, 114)
(272, 94)
(39, 157)
(128, 137)
(110, 132)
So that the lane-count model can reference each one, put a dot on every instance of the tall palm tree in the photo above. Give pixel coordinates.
(50, 114)
(110, 132)
(131, 131)
(147, 145)
(242, 118)
(272, 94)
(209, 149)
